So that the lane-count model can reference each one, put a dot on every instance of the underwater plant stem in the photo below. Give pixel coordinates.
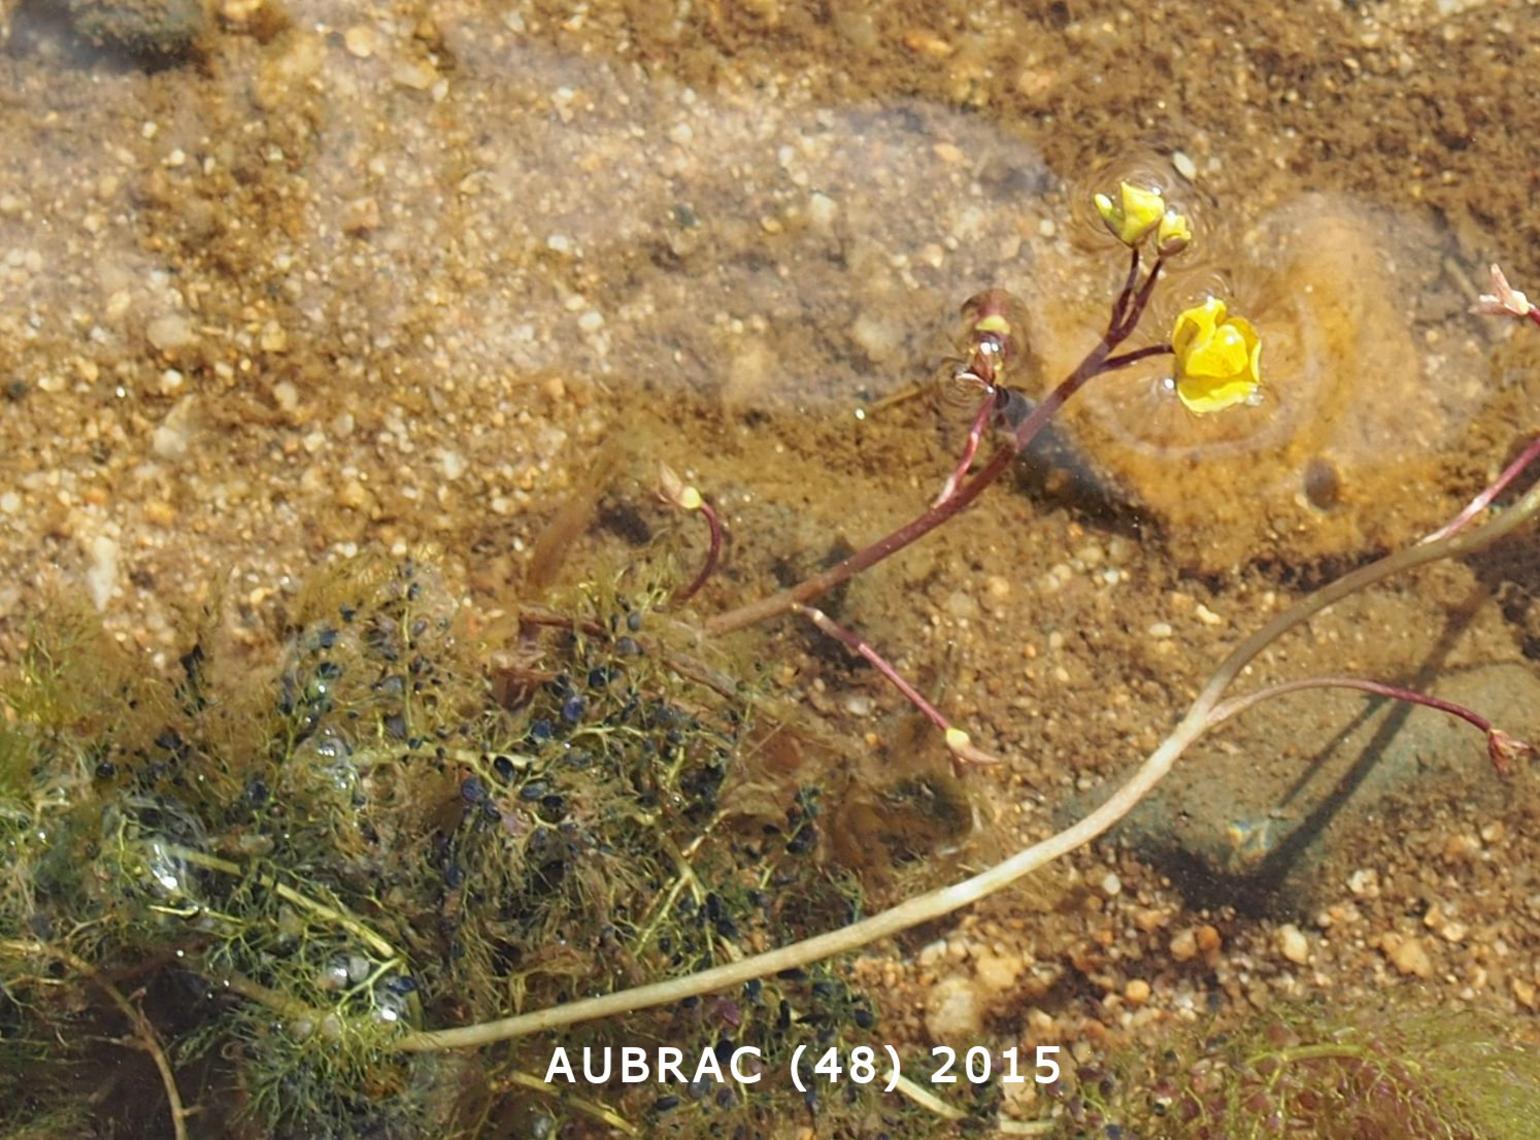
(862, 648)
(271, 999)
(593, 1109)
(918, 527)
(149, 1040)
(1096, 362)
(713, 552)
(987, 408)
(330, 914)
(943, 901)
(1237, 705)
(958, 742)
(1484, 499)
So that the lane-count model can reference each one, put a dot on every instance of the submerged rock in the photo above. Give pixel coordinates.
(147, 30)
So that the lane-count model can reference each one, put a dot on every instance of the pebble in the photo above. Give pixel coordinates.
(416, 75)
(961, 604)
(1293, 945)
(1137, 991)
(996, 972)
(361, 40)
(858, 704)
(1410, 957)
(1184, 945)
(1184, 164)
(1160, 630)
(953, 1011)
(1111, 885)
(171, 437)
(102, 573)
(821, 211)
(169, 332)
(353, 495)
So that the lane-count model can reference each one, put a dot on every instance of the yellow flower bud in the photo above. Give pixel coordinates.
(1173, 235)
(1136, 212)
(1218, 358)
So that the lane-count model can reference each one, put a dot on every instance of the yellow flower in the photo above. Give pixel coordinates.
(1173, 235)
(1218, 358)
(1136, 212)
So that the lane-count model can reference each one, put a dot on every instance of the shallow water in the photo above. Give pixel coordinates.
(335, 278)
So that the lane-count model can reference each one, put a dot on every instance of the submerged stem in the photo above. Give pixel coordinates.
(943, 901)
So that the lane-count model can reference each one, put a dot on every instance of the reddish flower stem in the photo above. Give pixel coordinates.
(971, 448)
(1483, 500)
(1236, 705)
(1096, 362)
(713, 553)
(958, 743)
(862, 648)
(1503, 750)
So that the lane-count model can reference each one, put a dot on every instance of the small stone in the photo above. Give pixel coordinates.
(169, 332)
(997, 972)
(361, 41)
(360, 216)
(961, 605)
(1184, 945)
(1150, 920)
(452, 463)
(953, 1011)
(1111, 885)
(821, 211)
(1137, 991)
(102, 572)
(150, 30)
(353, 495)
(932, 952)
(1525, 992)
(285, 395)
(273, 338)
(173, 435)
(858, 704)
(414, 74)
(1209, 940)
(1160, 630)
(591, 321)
(1184, 164)
(1410, 957)
(1293, 945)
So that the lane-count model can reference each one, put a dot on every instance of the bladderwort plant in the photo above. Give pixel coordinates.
(1217, 364)
(386, 844)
